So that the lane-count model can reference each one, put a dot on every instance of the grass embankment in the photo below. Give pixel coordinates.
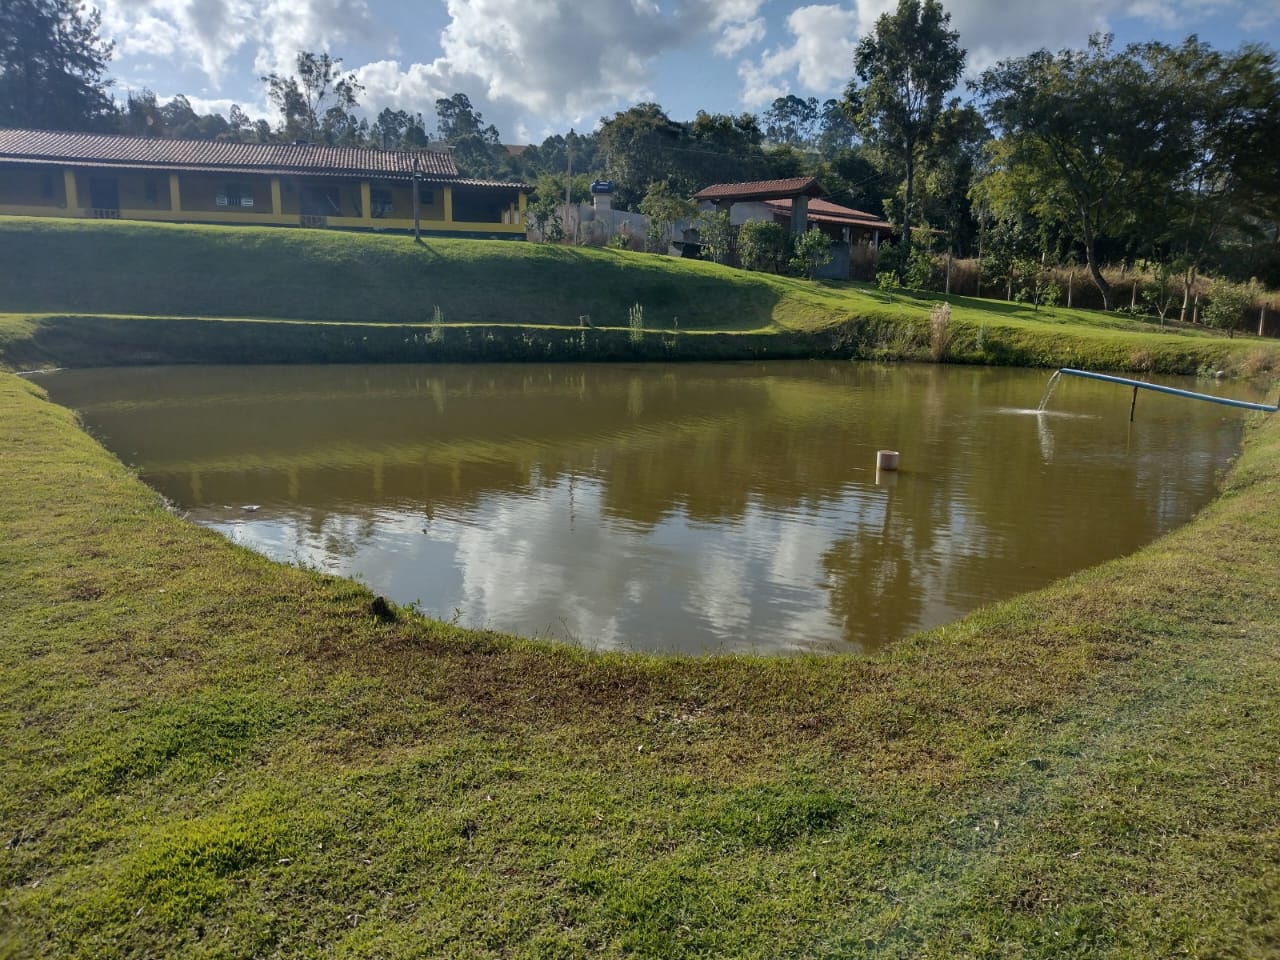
(84, 293)
(210, 755)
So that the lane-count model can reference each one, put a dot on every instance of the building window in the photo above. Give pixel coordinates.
(46, 186)
(150, 190)
(380, 203)
(235, 195)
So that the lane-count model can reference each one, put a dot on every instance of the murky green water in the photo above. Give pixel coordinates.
(671, 508)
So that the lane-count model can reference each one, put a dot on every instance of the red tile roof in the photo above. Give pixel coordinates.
(93, 149)
(824, 211)
(762, 190)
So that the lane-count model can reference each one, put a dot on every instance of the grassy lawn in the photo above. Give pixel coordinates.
(85, 293)
(211, 755)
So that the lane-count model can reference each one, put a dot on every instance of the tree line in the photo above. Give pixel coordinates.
(1150, 153)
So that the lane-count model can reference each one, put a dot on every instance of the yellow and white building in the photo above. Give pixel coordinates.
(46, 173)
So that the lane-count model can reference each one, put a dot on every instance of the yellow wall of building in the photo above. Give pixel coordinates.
(146, 192)
(200, 193)
(33, 187)
(144, 195)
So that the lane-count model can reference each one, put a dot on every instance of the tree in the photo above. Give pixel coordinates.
(907, 64)
(954, 155)
(1234, 170)
(142, 115)
(316, 101)
(792, 121)
(554, 185)
(1087, 136)
(664, 207)
(719, 147)
(52, 62)
(638, 147)
(838, 132)
(398, 130)
(855, 179)
(459, 120)
(1010, 244)
(553, 155)
(475, 144)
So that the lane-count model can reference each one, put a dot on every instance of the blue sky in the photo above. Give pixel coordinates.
(535, 67)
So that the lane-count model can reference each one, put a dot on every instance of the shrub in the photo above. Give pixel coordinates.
(886, 281)
(891, 260)
(1143, 361)
(939, 331)
(1260, 361)
(635, 320)
(1227, 304)
(763, 245)
(922, 270)
(664, 207)
(812, 250)
(715, 233)
(544, 214)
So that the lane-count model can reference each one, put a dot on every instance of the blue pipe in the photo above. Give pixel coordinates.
(1266, 408)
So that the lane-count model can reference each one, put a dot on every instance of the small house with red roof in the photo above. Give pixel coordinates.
(798, 203)
(48, 173)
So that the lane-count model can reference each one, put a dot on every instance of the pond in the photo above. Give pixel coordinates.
(691, 508)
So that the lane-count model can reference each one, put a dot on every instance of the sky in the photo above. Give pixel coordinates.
(538, 67)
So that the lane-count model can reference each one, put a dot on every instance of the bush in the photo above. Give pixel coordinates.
(812, 250)
(922, 270)
(763, 245)
(1227, 304)
(715, 233)
(635, 323)
(544, 215)
(939, 331)
(892, 260)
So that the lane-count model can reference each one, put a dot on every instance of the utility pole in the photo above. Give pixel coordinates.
(417, 238)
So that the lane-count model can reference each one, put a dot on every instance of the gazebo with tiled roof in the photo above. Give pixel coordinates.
(798, 190)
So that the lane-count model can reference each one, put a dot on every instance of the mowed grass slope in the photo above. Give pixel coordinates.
(210, 755)
(79, 293)
(107, 268)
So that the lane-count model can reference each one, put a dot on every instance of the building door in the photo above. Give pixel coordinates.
(104, 193)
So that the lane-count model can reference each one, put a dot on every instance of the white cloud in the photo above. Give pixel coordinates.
(738, 36)
(211, 31)
(818, 58)
(215, 31)
(991, 30)
(1259, 16)
(548, 64)
(291, 26)
(555, 58)
(387, 84)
